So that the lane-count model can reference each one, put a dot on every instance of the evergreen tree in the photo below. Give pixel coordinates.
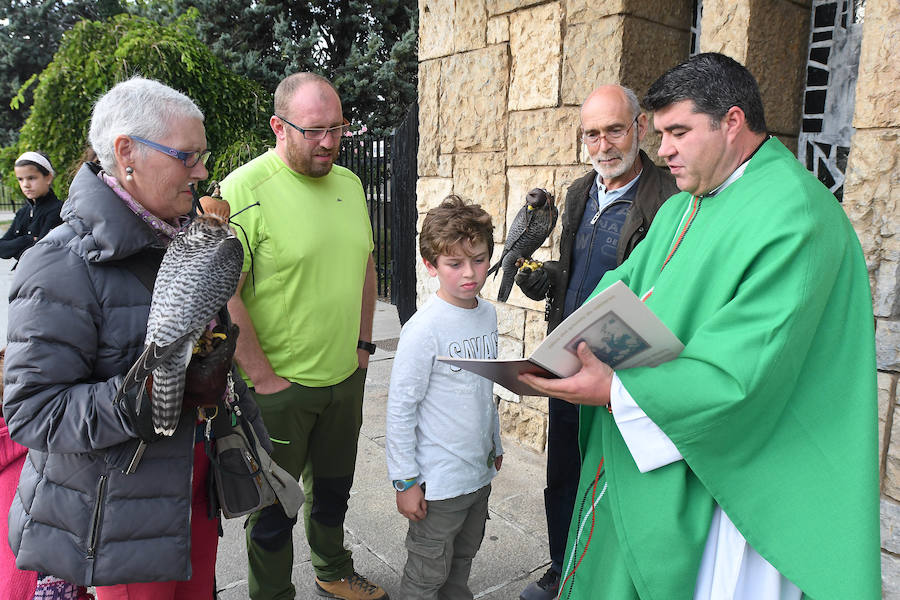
(367, 48)
(94, 56)
(30, 31)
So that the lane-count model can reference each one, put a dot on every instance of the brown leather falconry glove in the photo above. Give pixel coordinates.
(206, 378)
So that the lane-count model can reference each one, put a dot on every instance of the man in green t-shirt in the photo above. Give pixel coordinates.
(748, 466)
(305, 314)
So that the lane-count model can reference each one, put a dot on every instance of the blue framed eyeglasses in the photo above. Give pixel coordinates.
(319, 133)
(190, 159)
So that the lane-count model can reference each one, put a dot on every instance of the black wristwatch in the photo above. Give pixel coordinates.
(367, 346)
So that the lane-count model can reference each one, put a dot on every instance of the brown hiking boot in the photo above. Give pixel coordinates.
(355, 587)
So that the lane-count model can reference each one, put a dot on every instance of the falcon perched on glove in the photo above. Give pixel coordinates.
(530, 227)
(198, 274)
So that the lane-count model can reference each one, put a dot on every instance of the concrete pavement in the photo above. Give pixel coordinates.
(514, 550)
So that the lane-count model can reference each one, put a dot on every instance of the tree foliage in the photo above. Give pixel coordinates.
(94, 56)
(368, 48)
(29, 37)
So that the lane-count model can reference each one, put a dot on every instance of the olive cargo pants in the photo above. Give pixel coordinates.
(314, 432)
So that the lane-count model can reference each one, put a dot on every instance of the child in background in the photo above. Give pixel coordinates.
(443, 431)
(40, 213)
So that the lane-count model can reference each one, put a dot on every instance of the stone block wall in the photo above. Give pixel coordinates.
(769, 37)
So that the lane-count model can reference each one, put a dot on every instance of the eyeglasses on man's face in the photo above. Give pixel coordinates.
(317, 134)
(190, 159)
(616, 132)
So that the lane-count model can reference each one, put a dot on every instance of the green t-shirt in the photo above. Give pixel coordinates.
(306, 245)
(772, 403)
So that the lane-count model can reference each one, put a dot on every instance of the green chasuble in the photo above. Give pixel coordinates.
(772, 403)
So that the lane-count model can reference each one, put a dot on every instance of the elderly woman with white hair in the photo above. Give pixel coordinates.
(78, 314)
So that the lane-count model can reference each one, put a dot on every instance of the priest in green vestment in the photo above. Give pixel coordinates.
(746, 468)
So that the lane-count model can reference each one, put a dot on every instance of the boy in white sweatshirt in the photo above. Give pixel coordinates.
(443, 431)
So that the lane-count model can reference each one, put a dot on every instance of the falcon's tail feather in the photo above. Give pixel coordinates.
(150, 358)
(509, 261)
(505, 286)
(168, 393)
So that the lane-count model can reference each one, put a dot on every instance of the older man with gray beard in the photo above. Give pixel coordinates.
(607, 213)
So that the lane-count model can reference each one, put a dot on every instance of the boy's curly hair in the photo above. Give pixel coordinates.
(452, 222)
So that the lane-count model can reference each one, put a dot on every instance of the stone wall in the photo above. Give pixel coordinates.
(872, 201)
(769, 37)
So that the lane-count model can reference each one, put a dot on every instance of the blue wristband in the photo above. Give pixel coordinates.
(401, 485)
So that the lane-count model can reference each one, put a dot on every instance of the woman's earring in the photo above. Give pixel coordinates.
(128, 172)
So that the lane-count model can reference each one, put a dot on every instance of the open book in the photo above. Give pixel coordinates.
(620, 330)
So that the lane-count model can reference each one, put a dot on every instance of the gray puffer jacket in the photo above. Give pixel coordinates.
(77, 320)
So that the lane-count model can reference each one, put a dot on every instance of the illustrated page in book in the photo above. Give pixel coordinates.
(620, 330)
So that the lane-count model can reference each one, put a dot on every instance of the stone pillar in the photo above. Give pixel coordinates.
(771, 38)
(872, 201)
(629, 42)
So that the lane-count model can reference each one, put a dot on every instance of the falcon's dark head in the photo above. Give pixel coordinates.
(537, 198)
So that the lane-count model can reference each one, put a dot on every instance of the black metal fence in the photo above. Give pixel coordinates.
(369, 157)
(405, 145)
(386, 166)
(10, 199)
